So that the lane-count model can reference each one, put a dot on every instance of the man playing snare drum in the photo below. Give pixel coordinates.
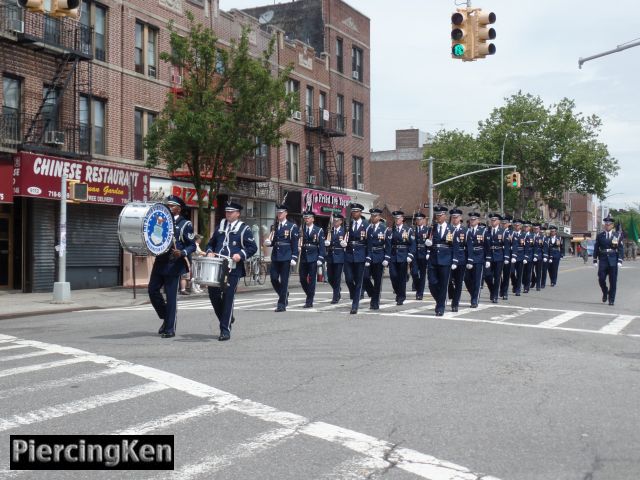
(233, 239)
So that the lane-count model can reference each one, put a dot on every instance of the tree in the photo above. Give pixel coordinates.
(231, 103)
(555, 149)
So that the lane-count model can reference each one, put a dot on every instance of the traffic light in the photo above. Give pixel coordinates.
(32, 5)
(461, 35)
(65, 8)
(513, 180)
(78, 191)
(482, 32)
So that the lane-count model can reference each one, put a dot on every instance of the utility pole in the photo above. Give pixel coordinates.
(62, 288)
(430, 188)
(619, 48)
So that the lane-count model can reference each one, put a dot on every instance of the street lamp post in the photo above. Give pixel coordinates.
(502, 161)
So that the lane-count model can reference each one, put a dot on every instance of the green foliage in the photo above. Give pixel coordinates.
(557, 150)
(231, 102)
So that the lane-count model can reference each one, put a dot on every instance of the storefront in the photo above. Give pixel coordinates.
(93, 253)
(6, 223)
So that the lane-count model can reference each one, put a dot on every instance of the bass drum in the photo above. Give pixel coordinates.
(145, 228)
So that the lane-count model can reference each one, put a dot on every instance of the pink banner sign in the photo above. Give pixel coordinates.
(324, 203)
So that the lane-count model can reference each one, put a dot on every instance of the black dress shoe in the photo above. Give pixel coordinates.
(280, 309)
(454, 309)
(374, 307)
(474, 305)
(505, 297)
(611, 302)
(517, 294)
(167, 335)
(333, 302)
(553, 284)
(353, 311)
(537, 289)
(223, 337)
(526, 291)
(233, 319)
(161, 329)
(604, 299)
(439, 314)
(494, 300)
(418, 297)
(308, 305)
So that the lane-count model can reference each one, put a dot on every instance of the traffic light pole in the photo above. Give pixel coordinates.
(62, 288)
(619, 48)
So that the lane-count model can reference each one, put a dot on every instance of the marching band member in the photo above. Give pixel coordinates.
(232, 239)
(441, 257)
(508, 263)
(419, 265)
(497, 255)
(311, 256)
(400, 247)
(335, 244)
(538, 256)
(355, 255)
(554, 254)
(459, 258)
(608, 253)
(517, 257)
(284, 239)
(528, 256)
(477, 256)
(169, 267)
(375, 256)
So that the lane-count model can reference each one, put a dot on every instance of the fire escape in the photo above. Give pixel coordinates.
(321, 128)
(57, 51)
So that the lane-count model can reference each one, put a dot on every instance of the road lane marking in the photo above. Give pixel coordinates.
(508, 316)
(24, 355)
(617, 324)
(410, 460)
(357, 468)
(11, 347)
(77, 406)
(168, 420)
(467, 310)
(560, 319)
(40, 366)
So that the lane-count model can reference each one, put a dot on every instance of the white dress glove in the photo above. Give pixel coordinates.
(545, 260)
(293, 263)
(385, 263)
(469, 266)
(267, 243)
(619, 264)
(367, 264)
(343, 244)
(535, 260)
(319, 263)
(327, 243)
(513, 260)
(487, 264)
(595, 263)
(428, 242)
(525, 261)
(409, 259)
(506, 259)
(454, 266)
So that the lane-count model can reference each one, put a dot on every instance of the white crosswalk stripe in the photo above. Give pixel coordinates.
(559, 319)
(617, 324)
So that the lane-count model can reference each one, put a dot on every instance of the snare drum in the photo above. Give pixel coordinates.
(145, 228)
(209, 271)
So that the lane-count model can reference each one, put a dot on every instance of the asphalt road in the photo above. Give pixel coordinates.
(543, 386)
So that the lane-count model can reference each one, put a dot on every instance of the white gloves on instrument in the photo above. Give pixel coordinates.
(469, 266)
(367, 264)
(343, 244)
(267, 243)
(409, 259)
(385, 263)
(454, 266)
(525, 261)
(327, 243)
(513, 260)
(428, 242)
(319, 263)
(487, 264)
(293, 263)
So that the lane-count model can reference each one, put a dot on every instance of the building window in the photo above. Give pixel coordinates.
(92, 125)
(94, 14)
(357, 112)
(322, 167)
(146, 49)
(11, 96)
(49, 109)
(219, 63)
(310, 166)
(293, 158)
(339, 55)
(143, 122)
(358, 176)
(340, 167)
(340, 113)
(308, 106)
(293, 86)
(357, 59)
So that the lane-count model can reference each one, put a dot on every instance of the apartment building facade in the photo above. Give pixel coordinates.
(79, 97)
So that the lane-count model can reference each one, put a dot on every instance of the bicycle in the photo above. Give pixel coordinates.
(256, 271)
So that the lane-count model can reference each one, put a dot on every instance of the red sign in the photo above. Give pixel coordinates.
(324, 203)
(6, 181)
(39, 176)
(189, 195)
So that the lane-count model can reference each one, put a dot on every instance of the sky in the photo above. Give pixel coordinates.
(416, 84)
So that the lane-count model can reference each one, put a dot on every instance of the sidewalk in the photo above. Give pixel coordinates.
(14, 304)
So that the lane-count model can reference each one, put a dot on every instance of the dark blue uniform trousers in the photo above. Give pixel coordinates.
(526, 275)
(353, 276)
(553, 270)
(605, 269)
(473, 281)
(545, 270)
(308, 276)
(438, 284)
(167, 311)
(222, 302)
(507, 267)
(455, 285)
(516, 276)
(537, 271)
(280, 280)
(495, 274)
(419, 275)
(373, 283)
(398, 276)
(334, 272)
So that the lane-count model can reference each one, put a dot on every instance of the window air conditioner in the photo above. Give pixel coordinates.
(356, 75)
(53, 137)
(176, 80)
(297, 115)
(17, 25)
(312, 179)
(361, 186)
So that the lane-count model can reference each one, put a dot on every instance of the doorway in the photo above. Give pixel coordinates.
(6, 250)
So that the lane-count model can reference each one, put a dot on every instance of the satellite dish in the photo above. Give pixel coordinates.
(266, 17)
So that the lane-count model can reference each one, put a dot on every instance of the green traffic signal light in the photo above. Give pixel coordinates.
(458, 50)
(514, 183)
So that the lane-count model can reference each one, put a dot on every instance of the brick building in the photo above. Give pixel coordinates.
(397, 176)
(582, 215)
(79, 96)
